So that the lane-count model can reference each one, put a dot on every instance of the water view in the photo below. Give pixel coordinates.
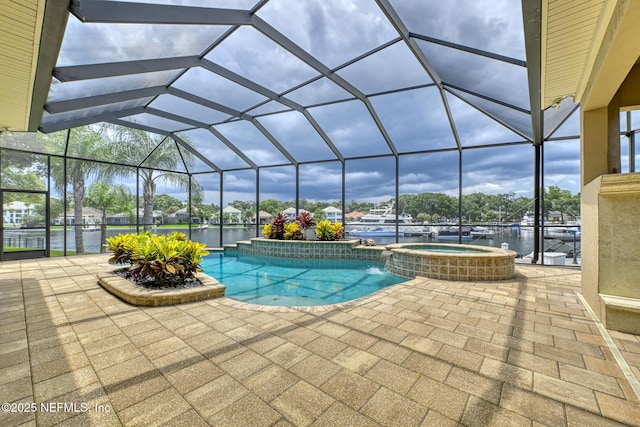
(520, 241)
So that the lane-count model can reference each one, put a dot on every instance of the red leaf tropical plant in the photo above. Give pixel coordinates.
(305, 220)
(275, 230)
(281, 229)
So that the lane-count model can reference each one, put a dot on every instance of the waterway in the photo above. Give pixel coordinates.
(517, 240)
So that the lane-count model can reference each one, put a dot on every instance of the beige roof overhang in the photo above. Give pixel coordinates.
(30, 37)
(588, 49)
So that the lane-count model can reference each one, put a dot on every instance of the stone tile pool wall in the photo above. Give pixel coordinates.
(309, 249)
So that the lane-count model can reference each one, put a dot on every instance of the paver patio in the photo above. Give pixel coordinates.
(424, 352)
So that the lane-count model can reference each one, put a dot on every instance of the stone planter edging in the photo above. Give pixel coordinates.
(138, 295)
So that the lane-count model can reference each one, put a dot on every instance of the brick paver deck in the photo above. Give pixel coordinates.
(425, 352)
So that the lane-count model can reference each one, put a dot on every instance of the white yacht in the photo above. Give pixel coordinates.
(382, 222)
(566, 234)
(482, 232)
(567, 231)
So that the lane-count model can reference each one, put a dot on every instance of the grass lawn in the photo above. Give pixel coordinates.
(52, 252)
(57, 252)
(16, 249)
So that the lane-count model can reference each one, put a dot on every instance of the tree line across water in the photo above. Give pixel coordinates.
(477, 208)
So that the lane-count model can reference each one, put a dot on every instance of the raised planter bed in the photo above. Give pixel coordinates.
(139, 295)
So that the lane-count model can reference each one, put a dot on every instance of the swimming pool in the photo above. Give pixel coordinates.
(295, 282)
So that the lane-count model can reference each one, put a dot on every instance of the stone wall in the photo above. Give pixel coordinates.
(489, 265)
(610, 250)
(309, 249)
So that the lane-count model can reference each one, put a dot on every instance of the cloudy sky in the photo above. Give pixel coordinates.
(330, 78)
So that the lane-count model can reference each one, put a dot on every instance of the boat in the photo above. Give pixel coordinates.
(453, 233)
(374, 232)
(482, 232)
(566, 234)
(203, 226)
(87, 227)
(382, 222)
(566, 231)
(527, 223)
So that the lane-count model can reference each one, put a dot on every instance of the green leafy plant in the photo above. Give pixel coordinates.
(326, 230)
(293, 231)
(164, 260)
(123, 246)
(267, 231)
(339, 229)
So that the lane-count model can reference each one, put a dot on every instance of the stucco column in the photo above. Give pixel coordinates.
(610, 223)
(600, 142)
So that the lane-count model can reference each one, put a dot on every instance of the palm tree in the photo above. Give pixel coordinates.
(85, 143)
(156, 157)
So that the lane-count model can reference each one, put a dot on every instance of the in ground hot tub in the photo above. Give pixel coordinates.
(451, 261)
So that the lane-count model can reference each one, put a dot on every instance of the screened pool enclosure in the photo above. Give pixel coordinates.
(197, 110)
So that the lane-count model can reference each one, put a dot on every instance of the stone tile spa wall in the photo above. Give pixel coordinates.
(487, 265)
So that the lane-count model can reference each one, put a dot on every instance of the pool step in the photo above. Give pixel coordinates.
(239, 245)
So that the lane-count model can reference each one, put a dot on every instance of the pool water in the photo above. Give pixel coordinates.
(295, 282)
